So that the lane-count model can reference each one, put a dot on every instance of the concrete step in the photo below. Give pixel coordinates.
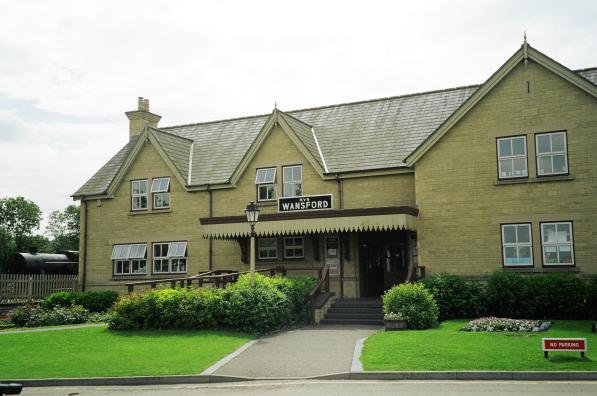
(357, 315)
(358, 302)
(365, 310)
(371, 322)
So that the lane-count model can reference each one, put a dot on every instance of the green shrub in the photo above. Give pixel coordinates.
(35, 315)
(200, 309)
(94, 301)
(257, 310)
(557, 296)
(134, 311)
(455, 297)
(592, 297)
(508, 295)
(414, 302)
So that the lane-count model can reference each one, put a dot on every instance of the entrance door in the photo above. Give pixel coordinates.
(395, 264)
(384, 260)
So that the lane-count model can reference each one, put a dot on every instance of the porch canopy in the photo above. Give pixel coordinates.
(313, 222)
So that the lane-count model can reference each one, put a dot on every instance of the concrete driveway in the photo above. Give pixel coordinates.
(305, 352)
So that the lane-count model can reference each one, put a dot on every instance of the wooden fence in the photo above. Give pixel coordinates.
(22, 288)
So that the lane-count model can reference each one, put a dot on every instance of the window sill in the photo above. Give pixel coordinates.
(533, 180)
(146, 212)
(542, 269)
(267, 203)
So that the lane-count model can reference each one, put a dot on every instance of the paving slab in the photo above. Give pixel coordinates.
(306, 352)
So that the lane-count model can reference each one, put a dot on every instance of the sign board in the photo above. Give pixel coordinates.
(306, 203)
(331, 246)
(564, 345)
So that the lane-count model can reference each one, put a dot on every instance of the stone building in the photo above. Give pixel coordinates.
(499, 176)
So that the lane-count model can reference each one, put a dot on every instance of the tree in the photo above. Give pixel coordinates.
(19, 216)
(63, 227)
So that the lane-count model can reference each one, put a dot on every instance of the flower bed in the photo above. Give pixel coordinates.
(493, 324)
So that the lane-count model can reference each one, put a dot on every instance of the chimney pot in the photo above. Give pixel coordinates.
(141, 118)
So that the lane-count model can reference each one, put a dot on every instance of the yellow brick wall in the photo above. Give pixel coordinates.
(462, 205)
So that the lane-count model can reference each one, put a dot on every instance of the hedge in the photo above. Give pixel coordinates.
(93, 301)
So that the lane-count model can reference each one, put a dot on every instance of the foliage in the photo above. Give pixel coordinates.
(257, 310)
(592, 297)
(63, 226)
(455, 297)
(553, 296)
(413, 302)
(7, 248)
(35, 316)
(94, 301)
(19, 216)
(492, 324)
(101, 352)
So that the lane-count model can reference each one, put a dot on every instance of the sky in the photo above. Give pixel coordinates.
(70, 69)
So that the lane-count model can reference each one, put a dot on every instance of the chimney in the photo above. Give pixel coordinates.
(141, 117)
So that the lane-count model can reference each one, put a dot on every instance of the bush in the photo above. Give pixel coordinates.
(414, 302)
(34, 316)
(508, 295)
(257, 310)
(455, 297)
(592, 297)
(94, 301)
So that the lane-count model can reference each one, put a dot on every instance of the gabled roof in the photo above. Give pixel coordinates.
(581, 79)
(384, 133)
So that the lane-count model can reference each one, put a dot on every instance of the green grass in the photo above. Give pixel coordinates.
(445, 348)
(100, 352)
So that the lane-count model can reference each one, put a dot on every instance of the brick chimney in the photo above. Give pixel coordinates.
(141, 117)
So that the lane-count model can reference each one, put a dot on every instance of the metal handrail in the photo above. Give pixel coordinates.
(324, 280)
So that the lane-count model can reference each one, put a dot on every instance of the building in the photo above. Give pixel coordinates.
(493, 177)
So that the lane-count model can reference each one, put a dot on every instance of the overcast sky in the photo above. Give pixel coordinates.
(70, 69)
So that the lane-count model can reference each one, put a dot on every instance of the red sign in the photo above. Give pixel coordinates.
(565, 344)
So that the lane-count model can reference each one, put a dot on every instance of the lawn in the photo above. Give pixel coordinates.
(445, 348)
(100, 352)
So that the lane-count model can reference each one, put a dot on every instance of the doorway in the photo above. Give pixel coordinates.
(384, 261)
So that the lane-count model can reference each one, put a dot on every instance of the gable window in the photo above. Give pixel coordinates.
(267, 248)
(552, 158)
(293, 247)
(557, 243)
(512, 157)
(517, 245)
(293, 181)
(160, 188)
(170, 257)
(129, 259)
(266, 184)
(139, 194)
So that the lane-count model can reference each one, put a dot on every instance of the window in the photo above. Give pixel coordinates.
(557, 243)
(551, 154)
(129, 259)
(169, 257)
(139, 194)
(160, 189)
(267, 248)
(293, 181)
(512, 157)
(517, 246)
(293, 247)
(266, 184)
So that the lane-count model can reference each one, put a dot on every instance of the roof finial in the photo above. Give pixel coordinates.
(525, 49)
(275, 104)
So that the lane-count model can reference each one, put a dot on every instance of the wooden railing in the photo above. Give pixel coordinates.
(23, 288)
(217, 278)
(322, 286)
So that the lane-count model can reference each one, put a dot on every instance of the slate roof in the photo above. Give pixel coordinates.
(373, 134)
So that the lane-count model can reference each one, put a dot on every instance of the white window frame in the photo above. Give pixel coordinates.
(289, 184)
(557, 244)
(175, 258)
(265, 179)
(294, 247)
(552, 153)
(132, 255)
(511, 158)
(261, 249)
(160, 188)
(139, 195)
(516, 244)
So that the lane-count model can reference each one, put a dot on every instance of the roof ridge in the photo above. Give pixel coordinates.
(285, 114)
(326, 106)
(171, 134)
(585, 69)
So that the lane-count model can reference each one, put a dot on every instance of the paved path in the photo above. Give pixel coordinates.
(82, 326)
(305, 352)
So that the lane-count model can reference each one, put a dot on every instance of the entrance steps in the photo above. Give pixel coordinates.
(355, 311)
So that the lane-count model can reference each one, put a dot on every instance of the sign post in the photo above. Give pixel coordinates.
(564, 345)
